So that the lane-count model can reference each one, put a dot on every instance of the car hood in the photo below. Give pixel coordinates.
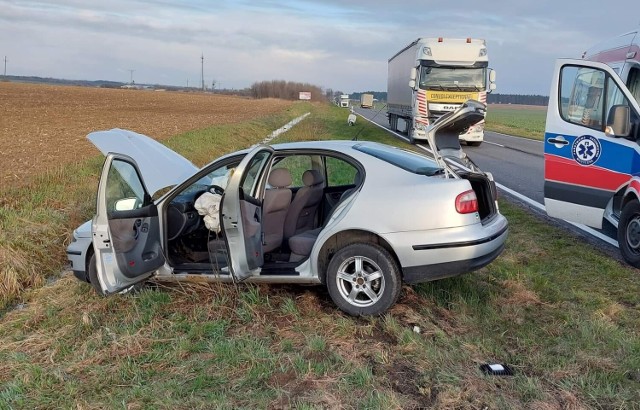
(443, 134)
(160, 166)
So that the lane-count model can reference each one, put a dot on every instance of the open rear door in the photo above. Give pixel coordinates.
(242, 213)
(126, 237)
(588, 156)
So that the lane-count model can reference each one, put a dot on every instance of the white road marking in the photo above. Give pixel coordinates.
(284, 128)
(493, 143)
(516, 194)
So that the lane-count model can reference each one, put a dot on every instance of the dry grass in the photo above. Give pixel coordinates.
(567, 324)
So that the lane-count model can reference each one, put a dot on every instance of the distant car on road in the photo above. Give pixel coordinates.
(357, 217)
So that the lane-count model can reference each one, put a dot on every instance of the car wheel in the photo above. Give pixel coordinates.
(474, 143)
(629, 233)
(363, 279)
(92, 270)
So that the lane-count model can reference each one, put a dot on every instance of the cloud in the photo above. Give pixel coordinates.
(331, 43)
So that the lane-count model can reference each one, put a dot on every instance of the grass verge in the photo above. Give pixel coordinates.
(565, 316)
(522, 121)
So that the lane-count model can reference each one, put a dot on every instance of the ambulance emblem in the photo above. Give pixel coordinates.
(586, 150)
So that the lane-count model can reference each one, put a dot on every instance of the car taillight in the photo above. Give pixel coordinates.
(467, 202)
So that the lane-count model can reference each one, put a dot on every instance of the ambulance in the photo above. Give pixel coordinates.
(591, 148)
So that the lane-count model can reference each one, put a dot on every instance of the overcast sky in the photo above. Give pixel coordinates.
(338, 44)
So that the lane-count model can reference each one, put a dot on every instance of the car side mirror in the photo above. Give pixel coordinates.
(618, 121)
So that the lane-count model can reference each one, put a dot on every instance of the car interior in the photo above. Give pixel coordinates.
(300, 192)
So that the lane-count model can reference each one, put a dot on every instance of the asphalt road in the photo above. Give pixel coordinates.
(517, 164)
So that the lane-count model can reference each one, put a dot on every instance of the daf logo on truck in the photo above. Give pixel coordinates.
(442, 73)
(591, 150)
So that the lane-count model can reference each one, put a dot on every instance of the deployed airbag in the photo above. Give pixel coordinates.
(208, 205)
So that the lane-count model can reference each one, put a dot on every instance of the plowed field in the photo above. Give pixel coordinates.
(42, 126)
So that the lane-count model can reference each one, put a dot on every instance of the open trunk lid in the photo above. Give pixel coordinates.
(443, 137)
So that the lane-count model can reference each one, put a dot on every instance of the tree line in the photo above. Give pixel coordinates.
(517, 99)
(286, 90)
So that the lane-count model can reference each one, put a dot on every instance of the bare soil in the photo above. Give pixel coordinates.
(44, 126)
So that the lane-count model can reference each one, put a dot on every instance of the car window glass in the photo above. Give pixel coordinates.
(407, 160)
(249, 184)
(615, 96)
(218, 176)
(633, 83)
(582, 95)
(296, 164)
(339, 172)
(123, 183)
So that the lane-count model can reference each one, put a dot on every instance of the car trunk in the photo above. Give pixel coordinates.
(486, 193)
(443, 137)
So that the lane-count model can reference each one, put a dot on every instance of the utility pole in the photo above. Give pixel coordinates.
(131, 72)
(202, 70)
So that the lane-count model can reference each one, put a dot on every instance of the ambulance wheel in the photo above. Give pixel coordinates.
(629, 233)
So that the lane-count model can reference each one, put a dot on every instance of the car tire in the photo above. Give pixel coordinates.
(474, 143)
(92, 271)
(368, 290)
(629, 233)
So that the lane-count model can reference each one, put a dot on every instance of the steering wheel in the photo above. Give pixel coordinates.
(216, 189)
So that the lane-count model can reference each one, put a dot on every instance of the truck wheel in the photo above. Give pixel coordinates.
(412, 140)
(629, 233)
(474, 143)
(363, 279)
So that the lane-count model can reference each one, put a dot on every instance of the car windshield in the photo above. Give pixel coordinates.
(407, 160)
(453, 78)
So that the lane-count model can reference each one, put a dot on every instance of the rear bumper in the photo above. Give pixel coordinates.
(427, 273)
(441, 253)
(472, 136)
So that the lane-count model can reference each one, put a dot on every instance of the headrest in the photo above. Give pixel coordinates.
(280, 178)
(312, 177)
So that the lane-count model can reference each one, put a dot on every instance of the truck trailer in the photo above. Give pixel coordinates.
(433, 76)
(366, 100)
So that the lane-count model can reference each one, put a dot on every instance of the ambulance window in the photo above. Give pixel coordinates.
(614, 95)
(634, 83)
(582, 95)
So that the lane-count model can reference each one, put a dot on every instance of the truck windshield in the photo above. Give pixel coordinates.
(453, 78)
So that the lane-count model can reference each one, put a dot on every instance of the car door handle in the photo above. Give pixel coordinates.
(136, 228)
(558, 141)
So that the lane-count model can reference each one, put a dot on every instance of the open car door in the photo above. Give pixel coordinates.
(126, 236)
(242, 213)
(590, 148)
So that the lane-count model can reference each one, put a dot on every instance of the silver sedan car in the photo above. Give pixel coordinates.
(359, 217)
